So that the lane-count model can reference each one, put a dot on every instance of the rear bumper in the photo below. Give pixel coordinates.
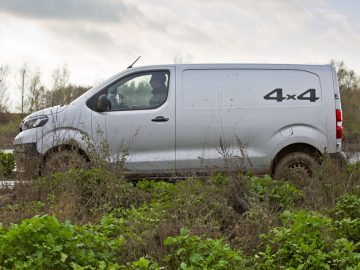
(340, 157)
(27, 160)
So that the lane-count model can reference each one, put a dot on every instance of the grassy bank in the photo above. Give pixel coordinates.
(94, 219)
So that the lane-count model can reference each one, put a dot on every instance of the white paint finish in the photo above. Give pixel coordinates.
(213, 111)
(239, 88)
(232, 114)
(151, 145)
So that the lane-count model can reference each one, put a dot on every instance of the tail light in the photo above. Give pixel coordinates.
(339, 128)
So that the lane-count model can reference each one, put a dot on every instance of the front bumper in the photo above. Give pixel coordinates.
(27, 160)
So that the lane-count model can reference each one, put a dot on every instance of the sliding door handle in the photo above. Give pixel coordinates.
(160, 119)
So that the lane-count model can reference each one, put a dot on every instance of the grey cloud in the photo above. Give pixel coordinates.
(190, 33)
(77, 34)
(89, 10)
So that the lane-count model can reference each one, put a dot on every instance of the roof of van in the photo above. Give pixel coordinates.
(238, 65)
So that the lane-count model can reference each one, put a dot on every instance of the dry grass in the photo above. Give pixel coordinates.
(77, 195)
(330, 182)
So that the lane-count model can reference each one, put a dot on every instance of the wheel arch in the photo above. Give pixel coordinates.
(296, 147)
(72, 145)
(64, 139)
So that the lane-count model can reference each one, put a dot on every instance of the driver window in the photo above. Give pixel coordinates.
(140, 91)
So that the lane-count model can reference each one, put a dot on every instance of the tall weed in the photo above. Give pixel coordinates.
(190, 252)
(77, 195)
(45, 243)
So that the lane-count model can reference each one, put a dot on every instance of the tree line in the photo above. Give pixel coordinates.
(33, 92)
(349, 84)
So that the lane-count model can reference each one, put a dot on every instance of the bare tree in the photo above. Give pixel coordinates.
(36, 96)
(3, 88)
(348, 79)
(181, 59)
(60, 78)
(23, 82)
(349, 84)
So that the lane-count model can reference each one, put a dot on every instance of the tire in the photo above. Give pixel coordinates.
(63, 160)
(297, 167)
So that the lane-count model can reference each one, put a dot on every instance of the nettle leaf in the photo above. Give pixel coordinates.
(196, 258)
(63, 257)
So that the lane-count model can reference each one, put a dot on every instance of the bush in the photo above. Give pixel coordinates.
(347, 206)
(306, 241)
(45, 243)
(137, 226)
(159, 191)
(191, 203)
(7, 163)
(347, 217)
(189, 252)
(350, 103)
(77, 195)
(170, 207)
(284, 194)
(90, 193)
(9, 128)
(141, 264)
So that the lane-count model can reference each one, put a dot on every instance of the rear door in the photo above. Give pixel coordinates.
(210, 130)
(235, 118)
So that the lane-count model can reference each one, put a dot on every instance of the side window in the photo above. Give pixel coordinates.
(139, 91)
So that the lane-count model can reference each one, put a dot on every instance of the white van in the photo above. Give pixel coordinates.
(178, 119)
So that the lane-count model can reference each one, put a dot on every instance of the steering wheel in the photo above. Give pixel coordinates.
(123, 102)
(113, 102)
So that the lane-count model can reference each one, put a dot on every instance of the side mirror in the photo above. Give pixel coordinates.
(103, 103)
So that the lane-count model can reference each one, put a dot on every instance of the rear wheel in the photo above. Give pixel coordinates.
(297, 167)
(63, 160)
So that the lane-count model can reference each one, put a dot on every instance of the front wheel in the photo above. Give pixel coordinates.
(297, 167)
(62, 160)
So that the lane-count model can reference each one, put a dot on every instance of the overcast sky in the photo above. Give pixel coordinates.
(98, 38)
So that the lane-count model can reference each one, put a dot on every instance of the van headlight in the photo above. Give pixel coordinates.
(34, 122)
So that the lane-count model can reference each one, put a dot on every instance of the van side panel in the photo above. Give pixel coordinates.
(243, 116)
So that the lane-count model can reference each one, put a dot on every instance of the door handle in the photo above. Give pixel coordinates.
(160, 119)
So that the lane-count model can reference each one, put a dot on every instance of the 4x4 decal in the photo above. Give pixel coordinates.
(277, 95)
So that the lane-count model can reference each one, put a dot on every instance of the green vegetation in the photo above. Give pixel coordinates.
(306, 240)
(45, 243)
(7, 164)
(192, 252)
(346, 216)
(283, 193)
(93, 219)
(349, 84)
(9, 128)
(138, 94)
